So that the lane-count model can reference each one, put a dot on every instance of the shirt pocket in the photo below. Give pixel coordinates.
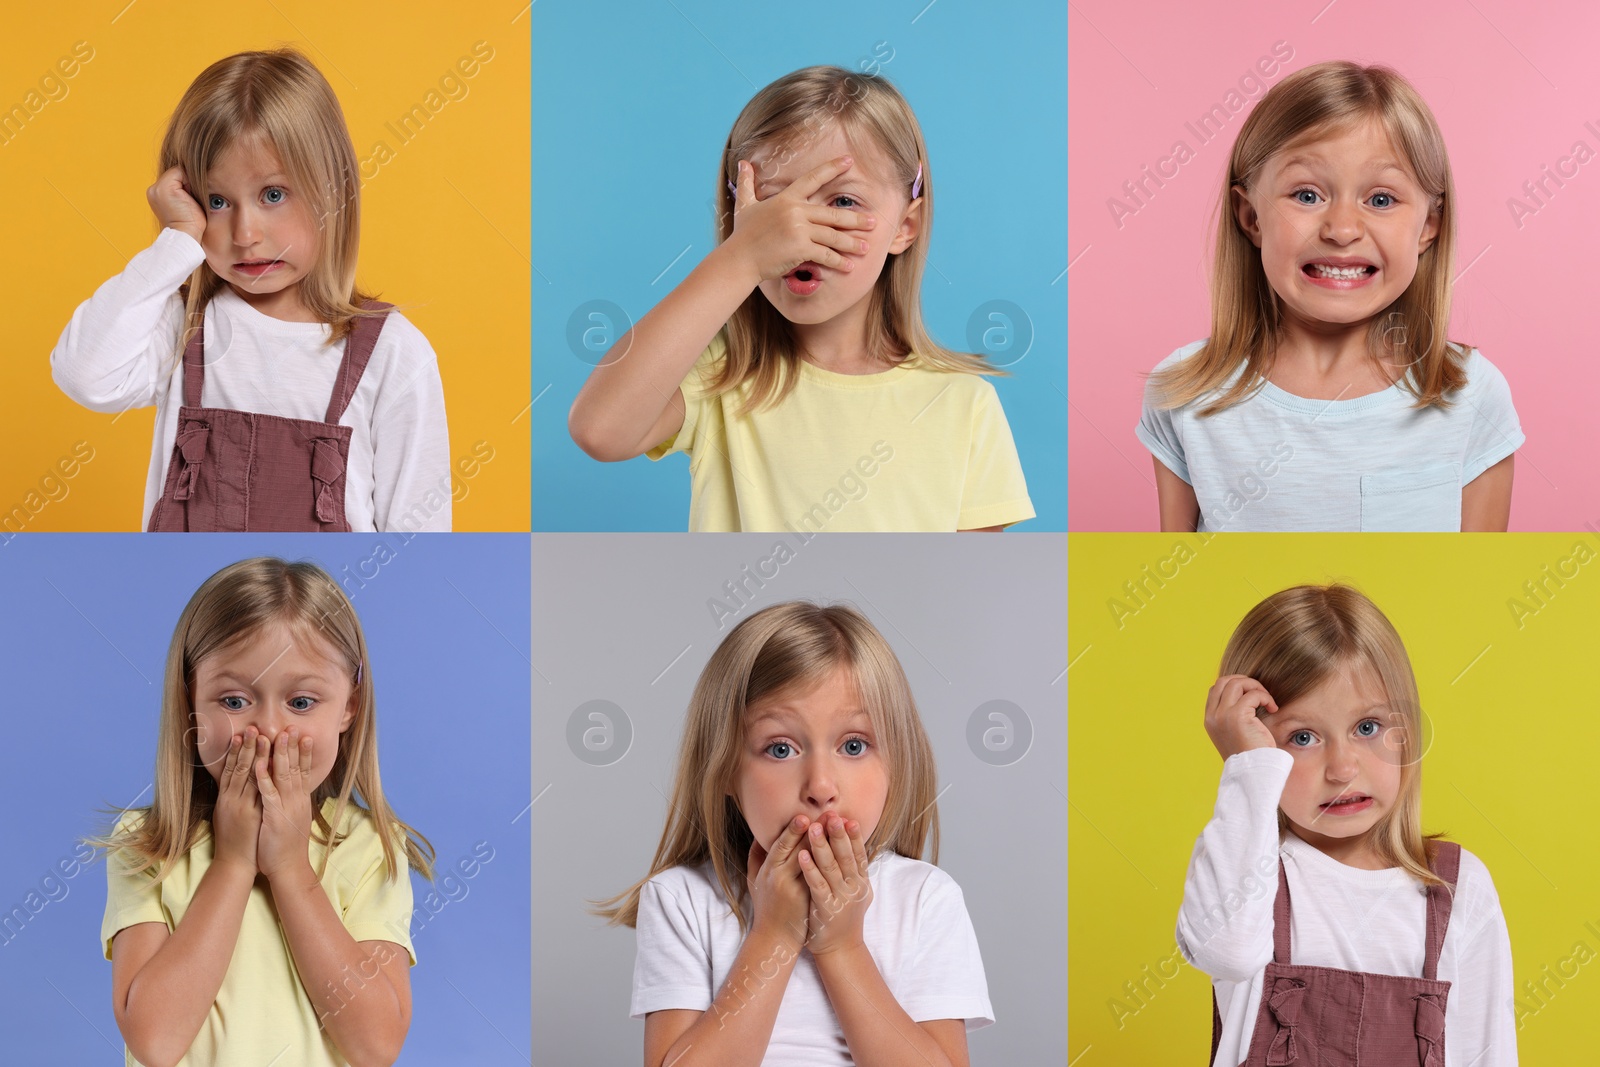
(1425, 500)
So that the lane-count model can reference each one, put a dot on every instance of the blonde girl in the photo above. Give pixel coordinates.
(1327, 396)
(259, 909)
(792, 364)
(1334, 929)
(788, 895)
(286, 398)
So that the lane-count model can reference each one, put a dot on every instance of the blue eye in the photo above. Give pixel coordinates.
(217, 203)
(224, 702)
(1386, 196)
(779, 750)
(1302, 738)
(1297, 192)
(850, 201)
(1362, 727)
(309, 703)
(855, 746)
(281, 193)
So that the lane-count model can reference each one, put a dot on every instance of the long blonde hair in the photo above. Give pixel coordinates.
(231, 606)
(282, 98)
(1247, 322)
(1295, 640)
(786, 647)
(795, 109)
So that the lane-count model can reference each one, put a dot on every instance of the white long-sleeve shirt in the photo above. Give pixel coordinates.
(1341, 916)
(121, 351)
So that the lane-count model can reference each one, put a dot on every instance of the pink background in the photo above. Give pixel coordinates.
(1512, 85)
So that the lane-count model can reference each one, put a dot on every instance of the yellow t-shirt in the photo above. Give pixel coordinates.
(906, 449)
(262, 1013)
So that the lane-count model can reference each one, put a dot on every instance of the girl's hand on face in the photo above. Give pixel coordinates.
(779, 233)
(777, 889)
(236, 819)
(175, 205)
(285, 806)
(834, 862)
(1231, 715)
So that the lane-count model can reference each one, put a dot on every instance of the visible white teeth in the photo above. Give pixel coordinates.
(1339, 272)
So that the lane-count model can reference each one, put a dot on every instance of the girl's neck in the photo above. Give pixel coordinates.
(1329, 364)
(839, 345)
(285, 306)
(1355, 852)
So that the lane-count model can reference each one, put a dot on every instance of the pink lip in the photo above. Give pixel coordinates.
(258, 269)
(1346, 807)
(805, 286)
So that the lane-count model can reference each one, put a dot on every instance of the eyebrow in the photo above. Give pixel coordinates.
(784, 714)
(230, 676)
(1376, 167)
(1371, 711)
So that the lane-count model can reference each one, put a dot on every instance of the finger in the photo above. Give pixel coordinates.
(819, 177)
(745, 190)
(840, 219)
(285, 765)
(843, 850)
(821, 850)
(753, 862)
(838, 241)
(859, 844)
(820, 889)
(305, 757)
(783, 848)
(262, 777)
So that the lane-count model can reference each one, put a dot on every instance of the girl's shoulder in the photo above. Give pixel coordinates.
(1181, 354)
(907, 878)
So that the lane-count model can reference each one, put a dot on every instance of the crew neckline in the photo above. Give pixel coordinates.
(822, 376)
(1305, 852)
(238, 307)
(1311, 405)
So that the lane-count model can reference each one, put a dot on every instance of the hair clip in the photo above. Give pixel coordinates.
(916, 186)
(358, 673)
(734, 189)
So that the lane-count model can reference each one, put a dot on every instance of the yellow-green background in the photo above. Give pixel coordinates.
(1511, 773)
(445, 222)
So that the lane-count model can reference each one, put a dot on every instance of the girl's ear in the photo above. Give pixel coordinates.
(910, 228)
(350, 707)
(1245, 212)
(1430, 231)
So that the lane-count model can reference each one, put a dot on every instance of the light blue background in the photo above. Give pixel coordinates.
(87, 621)
(631, 106)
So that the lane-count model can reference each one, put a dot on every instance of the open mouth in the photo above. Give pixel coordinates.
(804, 279)
(1348, 805)
(1327, 272)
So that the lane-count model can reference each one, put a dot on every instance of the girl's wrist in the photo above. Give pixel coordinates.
(732, 257)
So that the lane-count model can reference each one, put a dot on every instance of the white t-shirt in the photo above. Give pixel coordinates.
(120, 351)
(916, 928)
(1344, 917)
(1276, 461)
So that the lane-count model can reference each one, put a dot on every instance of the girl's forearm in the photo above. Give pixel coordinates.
(631, 388)
(876, 1027)
(735, 1030)
(353, 998)
(170, 997)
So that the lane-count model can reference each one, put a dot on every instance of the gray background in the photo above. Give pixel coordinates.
(624, 618)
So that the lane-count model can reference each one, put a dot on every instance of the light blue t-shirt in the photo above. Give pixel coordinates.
(1276, 461)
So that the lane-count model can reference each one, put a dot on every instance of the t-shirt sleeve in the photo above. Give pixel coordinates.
(672, 965)
(1158, 431)
(132, 896)
(379, 908)
(995, 492)
(695, 398)
(945, 978)
(1496, 431)
(410, 437)
(120, 348)
(1483, 1017)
